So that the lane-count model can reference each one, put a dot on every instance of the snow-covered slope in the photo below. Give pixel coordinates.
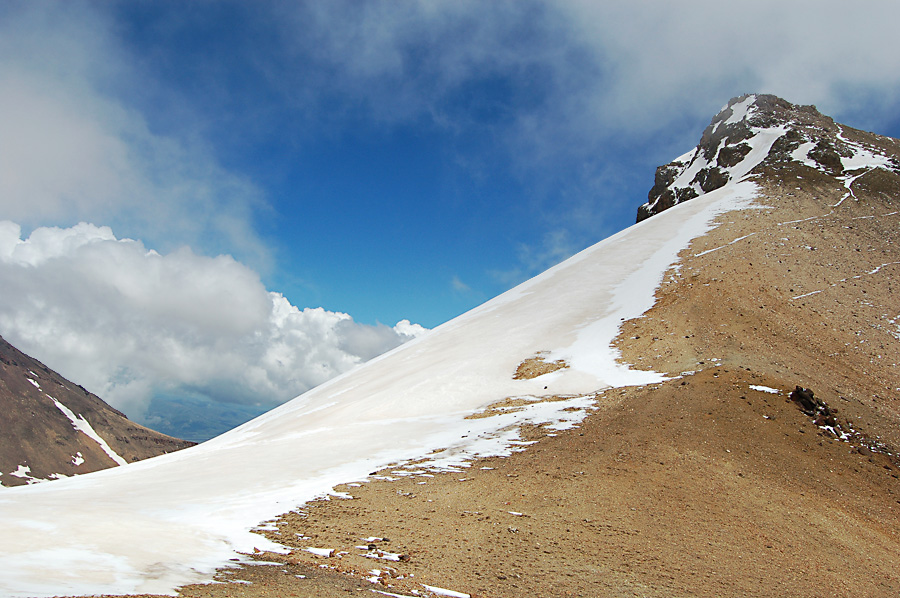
(157, 524)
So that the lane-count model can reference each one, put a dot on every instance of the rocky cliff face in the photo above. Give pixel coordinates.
(754, 130)
(52, 428)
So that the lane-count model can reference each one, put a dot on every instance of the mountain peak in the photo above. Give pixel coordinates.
(763, 110)
(754, 129)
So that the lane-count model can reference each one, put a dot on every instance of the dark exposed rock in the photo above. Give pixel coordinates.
(731, 155)
(830, 424)
(805, 398)
(711, 179)
(785, 145)
(826, 420)
(660, 194)
(825, 154)
(644, 212)
(713, 136)
(665, 176)
(684, 194)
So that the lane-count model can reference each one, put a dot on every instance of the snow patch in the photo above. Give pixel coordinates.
(22, 471)
(445, 592)
(383, 555)
(81, 424)
(760, 144)
(862, 156)
(741, 110)
(767, 389)
(801, 155)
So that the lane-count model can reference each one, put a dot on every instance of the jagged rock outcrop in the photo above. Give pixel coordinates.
(764, 130)
(52, 428)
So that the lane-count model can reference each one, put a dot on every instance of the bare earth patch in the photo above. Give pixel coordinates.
(513, 404)
(538, 366)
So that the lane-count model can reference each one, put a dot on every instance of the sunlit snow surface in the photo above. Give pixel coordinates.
(152, 526)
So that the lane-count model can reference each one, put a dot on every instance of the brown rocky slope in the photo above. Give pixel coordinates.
(714, 483)
(39, 441)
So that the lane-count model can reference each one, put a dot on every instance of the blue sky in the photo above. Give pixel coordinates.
(387, 160)
(395, 182)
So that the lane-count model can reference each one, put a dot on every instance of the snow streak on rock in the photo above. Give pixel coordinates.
(82, 425)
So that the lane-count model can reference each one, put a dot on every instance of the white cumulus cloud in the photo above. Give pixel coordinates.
(130, 323)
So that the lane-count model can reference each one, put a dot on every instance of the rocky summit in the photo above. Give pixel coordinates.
(52, 428)
(728, 149)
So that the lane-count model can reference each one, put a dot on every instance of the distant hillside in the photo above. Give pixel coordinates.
(53, 428)
(197, 419)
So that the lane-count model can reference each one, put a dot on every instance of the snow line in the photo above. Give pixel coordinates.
(155, 525)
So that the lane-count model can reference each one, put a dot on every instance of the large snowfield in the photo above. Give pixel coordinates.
(152, 526)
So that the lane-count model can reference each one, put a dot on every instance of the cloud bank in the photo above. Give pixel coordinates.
(74, 148)
(566, 75)
(129, 323)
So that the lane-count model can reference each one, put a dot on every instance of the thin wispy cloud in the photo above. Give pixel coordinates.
(568, 90)
(573, 74)
(554, 247)
(459, 286)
